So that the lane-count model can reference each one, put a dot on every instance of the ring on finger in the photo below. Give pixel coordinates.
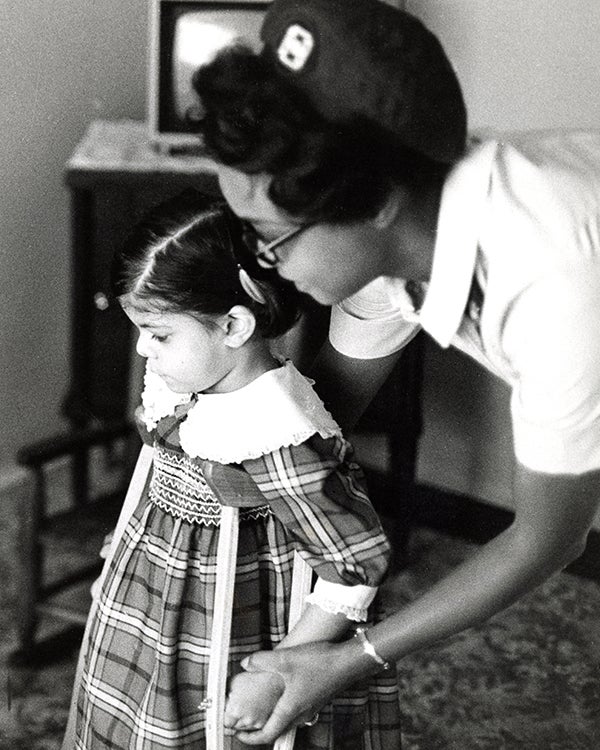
(312, 721)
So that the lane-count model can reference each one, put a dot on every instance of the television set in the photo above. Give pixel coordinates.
(183, 35)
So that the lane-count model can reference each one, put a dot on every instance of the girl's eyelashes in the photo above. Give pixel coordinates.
(154, 336)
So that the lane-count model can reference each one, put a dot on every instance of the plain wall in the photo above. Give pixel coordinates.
(524, 65)
(63, 64)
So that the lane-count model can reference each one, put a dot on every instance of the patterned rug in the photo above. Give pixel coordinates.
(527, 679)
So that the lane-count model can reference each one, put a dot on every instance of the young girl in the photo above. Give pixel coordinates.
(215, 393)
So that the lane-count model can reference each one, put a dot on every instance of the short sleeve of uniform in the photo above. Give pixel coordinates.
(553, 342)
(374, 322)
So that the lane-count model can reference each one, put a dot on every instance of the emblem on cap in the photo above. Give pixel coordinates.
(296, 47)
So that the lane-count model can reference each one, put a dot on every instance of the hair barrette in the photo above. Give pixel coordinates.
(251, 287)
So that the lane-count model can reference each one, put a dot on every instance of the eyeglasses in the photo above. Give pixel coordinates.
(265, 254)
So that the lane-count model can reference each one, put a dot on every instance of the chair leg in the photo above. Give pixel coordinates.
(80, 477)
(30, 564)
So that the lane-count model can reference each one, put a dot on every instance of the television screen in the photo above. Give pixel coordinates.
(183, 35)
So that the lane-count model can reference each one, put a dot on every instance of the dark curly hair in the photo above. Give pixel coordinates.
(185, 257)
(256, 121)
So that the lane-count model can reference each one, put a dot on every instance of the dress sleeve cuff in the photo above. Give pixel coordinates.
(336, 598)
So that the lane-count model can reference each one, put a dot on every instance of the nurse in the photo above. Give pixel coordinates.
(344, 144)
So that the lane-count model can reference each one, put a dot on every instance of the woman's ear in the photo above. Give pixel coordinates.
(238, 324)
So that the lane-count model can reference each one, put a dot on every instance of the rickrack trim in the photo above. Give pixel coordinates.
(179, 488)
(212, 518)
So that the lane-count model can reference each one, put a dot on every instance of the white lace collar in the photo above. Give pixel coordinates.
(279, 408)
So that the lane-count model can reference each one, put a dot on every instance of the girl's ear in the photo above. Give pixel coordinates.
(238, 324)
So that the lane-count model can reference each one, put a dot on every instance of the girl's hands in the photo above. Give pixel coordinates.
(251, 699)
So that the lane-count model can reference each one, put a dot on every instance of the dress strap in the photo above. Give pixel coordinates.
(231, 484)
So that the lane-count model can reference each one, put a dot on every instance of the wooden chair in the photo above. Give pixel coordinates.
(44, 534)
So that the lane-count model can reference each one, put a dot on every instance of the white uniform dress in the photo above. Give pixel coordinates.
(522, 218)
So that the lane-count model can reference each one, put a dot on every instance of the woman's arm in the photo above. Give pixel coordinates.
(348, 385)
(553, 516)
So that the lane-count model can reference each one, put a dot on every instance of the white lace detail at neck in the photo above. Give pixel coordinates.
(158, 400)
(278, 409)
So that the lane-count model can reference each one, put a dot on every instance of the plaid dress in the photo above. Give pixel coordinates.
(146, 659)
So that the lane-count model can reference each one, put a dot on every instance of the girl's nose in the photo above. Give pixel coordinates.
(143, 345)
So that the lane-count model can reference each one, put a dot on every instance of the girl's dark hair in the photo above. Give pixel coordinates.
(185, 257)
(256, 121)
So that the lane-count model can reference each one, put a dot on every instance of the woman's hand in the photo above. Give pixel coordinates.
(312, 675)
